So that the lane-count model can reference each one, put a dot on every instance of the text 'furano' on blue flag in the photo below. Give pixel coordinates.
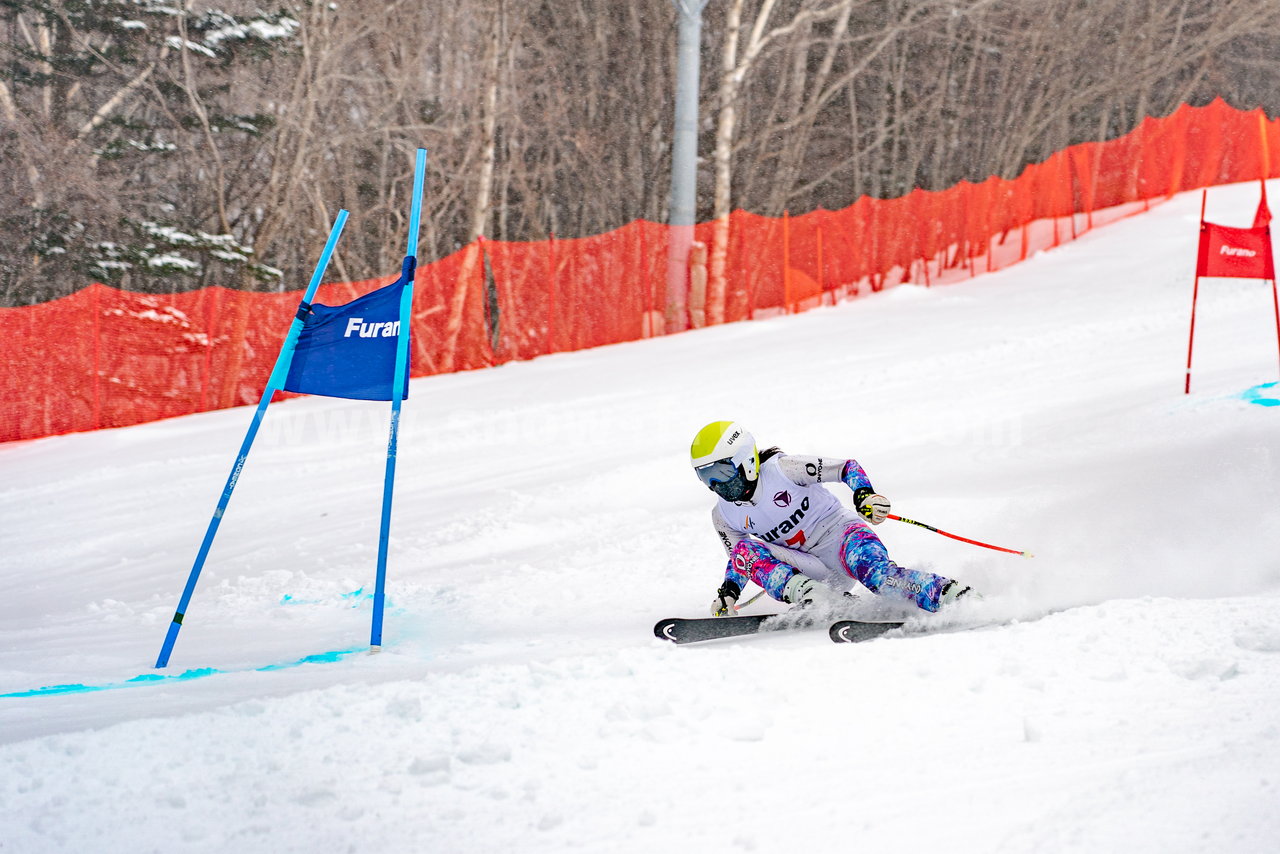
(350, 350)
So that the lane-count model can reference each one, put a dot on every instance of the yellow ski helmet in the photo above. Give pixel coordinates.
(725, 458)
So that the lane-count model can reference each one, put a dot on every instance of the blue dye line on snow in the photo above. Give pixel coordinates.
(1267, 394)
(187, 675)
(355, 597)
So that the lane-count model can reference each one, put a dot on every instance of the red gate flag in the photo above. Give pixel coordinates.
(1240, 253)
(1234, 253)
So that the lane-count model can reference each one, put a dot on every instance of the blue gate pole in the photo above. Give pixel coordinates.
(274, 383)
(397, 393)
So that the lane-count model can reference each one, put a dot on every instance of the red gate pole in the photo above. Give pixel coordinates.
(1190, 340)
(1195, 292)
(1275, 302)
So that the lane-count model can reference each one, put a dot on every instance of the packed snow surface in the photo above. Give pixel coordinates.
(1118, 692)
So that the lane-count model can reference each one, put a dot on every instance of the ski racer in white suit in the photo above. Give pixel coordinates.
(786, 532)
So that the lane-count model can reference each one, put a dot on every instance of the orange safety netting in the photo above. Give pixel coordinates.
(107, 358)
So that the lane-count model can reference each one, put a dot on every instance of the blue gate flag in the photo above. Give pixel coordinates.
(350, 350)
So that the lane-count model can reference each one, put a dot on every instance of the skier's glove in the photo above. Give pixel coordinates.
(873, 507)
(726, 599)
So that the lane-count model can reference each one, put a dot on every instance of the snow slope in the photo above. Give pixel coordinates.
(1122, 695)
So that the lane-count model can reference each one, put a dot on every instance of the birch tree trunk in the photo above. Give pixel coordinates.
(732, 73)
(482, 202)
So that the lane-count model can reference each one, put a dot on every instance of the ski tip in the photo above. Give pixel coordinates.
(662, 630)
(839, 633)
(853, 631)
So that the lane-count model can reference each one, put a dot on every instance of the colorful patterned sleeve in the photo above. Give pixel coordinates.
(856, 479)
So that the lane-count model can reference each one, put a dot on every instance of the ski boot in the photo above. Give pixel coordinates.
(954, 590)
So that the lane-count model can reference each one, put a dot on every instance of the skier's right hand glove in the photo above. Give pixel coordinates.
(726, 599)
(873, 507)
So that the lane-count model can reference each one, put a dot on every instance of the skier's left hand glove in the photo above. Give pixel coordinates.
(873, 507)
(726, 600)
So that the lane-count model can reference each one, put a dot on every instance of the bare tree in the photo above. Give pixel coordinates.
(164, 146)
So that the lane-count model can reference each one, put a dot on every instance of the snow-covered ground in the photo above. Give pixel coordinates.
(1123, 696)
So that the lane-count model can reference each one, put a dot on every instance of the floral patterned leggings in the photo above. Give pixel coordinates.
(862, 557)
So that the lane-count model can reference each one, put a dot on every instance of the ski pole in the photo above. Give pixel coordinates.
(957, 537)
(749, 601)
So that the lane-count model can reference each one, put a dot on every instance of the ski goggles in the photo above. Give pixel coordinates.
(721, 471)
(724, 479)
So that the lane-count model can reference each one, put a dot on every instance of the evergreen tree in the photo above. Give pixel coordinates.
(119, 121)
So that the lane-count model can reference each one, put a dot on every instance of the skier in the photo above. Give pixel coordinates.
(789, 535)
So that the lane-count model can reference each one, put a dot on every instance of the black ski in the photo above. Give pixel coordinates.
(853, 631)
(679, 630)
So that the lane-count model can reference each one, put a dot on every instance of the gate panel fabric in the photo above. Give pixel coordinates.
(1243, 253)
(103, 357)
